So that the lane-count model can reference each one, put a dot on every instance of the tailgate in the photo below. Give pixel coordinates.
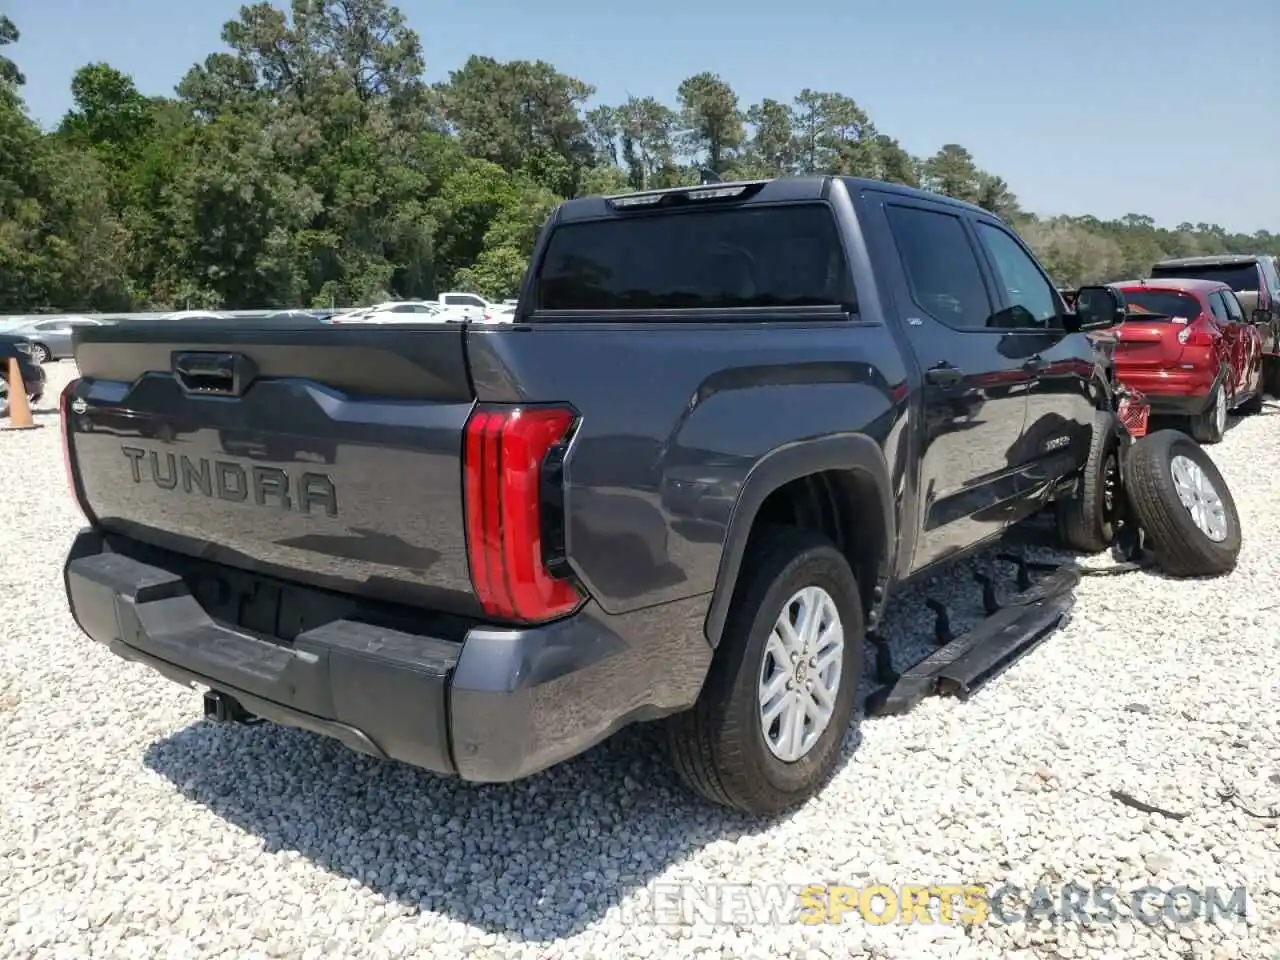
(1148, 344)
(329, 456)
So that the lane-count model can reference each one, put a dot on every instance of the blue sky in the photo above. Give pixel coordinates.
(1091, 106)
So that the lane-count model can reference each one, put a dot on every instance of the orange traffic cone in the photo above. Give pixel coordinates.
(19, 409)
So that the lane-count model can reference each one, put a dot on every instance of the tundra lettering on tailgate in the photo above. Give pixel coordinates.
(231, 481)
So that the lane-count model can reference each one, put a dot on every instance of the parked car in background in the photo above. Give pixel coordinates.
(1255, 280)
(300, 316)
(403, 311)
(33, 377)
(474, 306)
(196, 315)
(419, 311)
(51, 339)
(1190, 349)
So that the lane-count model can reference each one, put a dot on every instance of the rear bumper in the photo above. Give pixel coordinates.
(498, 706)
(1170, 392)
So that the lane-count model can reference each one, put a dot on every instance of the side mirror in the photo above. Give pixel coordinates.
(1262, 316)
(1097, 308)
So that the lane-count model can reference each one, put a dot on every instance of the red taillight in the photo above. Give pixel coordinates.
(1195, 334)
(64, 411)
(503, 461)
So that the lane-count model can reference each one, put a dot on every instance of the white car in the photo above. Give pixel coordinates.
(415, 312)
(195, 315)
(473, 305)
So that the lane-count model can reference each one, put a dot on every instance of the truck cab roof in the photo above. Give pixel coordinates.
(775, 190)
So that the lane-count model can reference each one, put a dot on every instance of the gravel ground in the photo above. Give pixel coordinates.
(131, 828)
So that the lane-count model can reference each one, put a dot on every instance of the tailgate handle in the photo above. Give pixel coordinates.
(220, 374)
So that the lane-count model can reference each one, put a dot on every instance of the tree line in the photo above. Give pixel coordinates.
(308, 162)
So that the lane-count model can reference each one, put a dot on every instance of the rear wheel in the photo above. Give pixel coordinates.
(1211, 425)
(1183, 503)
(767, 730)
(39, 353)
(1086, 522)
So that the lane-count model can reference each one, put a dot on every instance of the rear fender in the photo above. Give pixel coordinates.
(780, 466)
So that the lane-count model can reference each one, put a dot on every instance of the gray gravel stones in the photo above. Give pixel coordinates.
(129, 828)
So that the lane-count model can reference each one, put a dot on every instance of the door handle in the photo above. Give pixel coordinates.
(1033, 363)
(943, 374)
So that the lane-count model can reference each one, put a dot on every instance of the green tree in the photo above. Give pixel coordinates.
(10, 75)
(306, 161)
(713, 124)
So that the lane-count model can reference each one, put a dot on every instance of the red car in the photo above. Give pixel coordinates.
(1188, 346)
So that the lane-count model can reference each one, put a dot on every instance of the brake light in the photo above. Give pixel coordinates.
(514, 519)
(1195, 335)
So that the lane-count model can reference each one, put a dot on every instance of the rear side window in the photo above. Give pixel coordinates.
(941, 266)
(1240, 277)
(784, 256)
(1219, 308)
(1161, 305)
(461, 301)
(1234, 310)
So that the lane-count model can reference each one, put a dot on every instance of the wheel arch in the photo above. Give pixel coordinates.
(836, 484)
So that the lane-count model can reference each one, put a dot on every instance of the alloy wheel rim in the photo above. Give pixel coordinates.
(800, 674)
(1220, 412)
(1200, 498)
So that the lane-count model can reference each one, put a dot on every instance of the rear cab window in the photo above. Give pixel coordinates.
(1240, 277)
(1161, 305)
(708, 257)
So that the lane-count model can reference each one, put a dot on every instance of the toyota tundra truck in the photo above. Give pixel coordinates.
(726, 424)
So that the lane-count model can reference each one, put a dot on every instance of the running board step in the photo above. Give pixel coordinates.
(962, 666)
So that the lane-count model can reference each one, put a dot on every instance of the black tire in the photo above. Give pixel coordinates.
(40, 353)
(1086, 522)
(718, 747)
(1181, 548)
(1211, 425)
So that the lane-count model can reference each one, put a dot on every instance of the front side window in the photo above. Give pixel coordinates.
(1029, 294)
(1268, 265)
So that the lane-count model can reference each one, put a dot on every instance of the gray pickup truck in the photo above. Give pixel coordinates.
(726, 424)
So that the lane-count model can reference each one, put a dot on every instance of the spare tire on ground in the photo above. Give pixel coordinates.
(1183, 505)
